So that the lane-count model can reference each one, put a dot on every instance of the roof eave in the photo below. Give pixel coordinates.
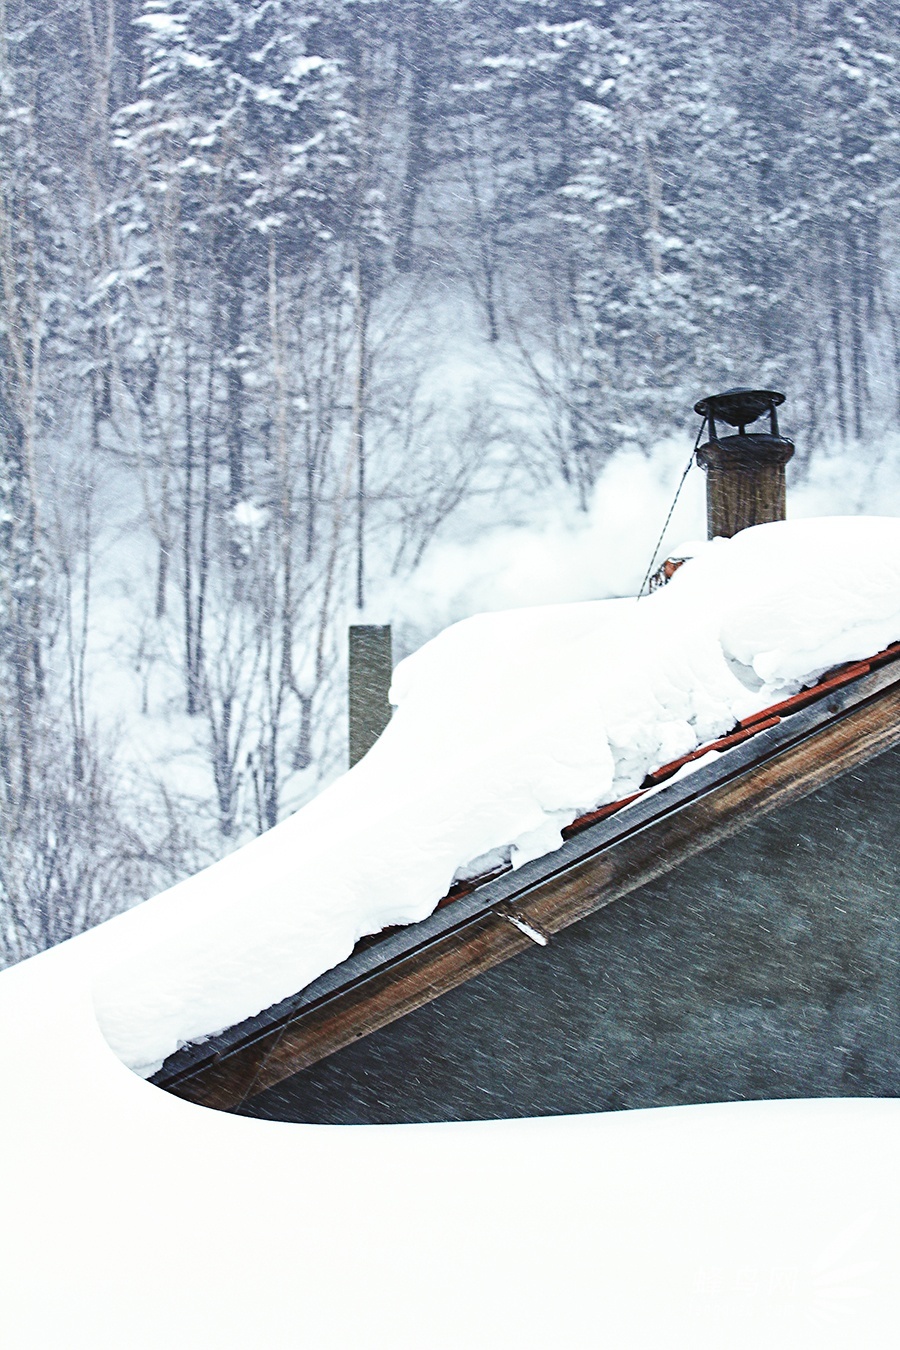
(411, 966)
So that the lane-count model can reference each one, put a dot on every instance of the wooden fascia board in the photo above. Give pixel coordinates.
(622, 853)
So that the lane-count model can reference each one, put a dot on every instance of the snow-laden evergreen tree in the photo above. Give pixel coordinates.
(710, 224)
(647, 202)
(30, 268)
(240, 135)
(848, 166)
(66, 858)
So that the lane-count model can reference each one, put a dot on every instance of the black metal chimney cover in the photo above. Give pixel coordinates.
(739, 407)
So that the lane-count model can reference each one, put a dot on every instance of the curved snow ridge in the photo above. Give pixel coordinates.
(508, 727)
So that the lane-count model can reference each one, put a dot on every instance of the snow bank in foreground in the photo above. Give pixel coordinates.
(508, 726)
(134, 1221)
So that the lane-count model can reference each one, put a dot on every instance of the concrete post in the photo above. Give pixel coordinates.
(371, 668)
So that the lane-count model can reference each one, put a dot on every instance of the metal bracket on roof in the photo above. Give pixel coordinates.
(530, 927)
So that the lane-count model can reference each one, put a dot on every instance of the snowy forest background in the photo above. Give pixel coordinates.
(320, 311)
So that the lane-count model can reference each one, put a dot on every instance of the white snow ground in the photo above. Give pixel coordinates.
(132, 1219)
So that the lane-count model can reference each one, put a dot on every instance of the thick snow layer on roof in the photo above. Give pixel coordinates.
(508, 726)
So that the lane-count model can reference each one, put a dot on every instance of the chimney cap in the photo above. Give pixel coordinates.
(739, 407)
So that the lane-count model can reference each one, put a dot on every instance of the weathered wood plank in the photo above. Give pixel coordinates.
(564, 899)
(388, 995)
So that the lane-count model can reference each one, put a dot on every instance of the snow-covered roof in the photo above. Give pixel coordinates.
(774, 756)
(165, 1223)
(508, 726)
